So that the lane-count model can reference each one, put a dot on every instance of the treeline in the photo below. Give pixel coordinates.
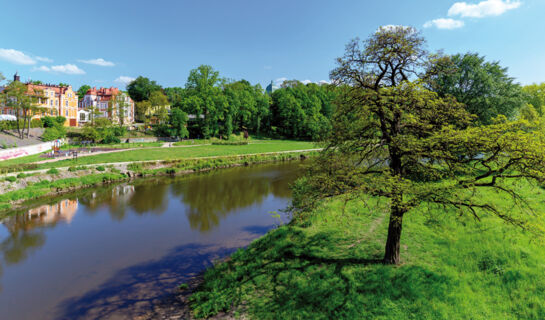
(218, 107)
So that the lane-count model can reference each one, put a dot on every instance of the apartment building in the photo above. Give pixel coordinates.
(107, 103)
(51, 100)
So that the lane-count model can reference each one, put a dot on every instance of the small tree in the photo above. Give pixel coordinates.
(23, 102)
(394, 139)
(178, 121)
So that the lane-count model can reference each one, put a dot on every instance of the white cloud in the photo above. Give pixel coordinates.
(124, 79)
(43, 59)
(42, 68)
(279, 81)
(443, 23)
(98, 62)
(306, 81)
(323, 82)
(68, 69)
(483, 9)
(16, 57)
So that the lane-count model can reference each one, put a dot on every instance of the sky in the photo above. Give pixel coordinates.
(108, 43)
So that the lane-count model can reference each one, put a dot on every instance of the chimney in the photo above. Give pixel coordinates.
(17, 77)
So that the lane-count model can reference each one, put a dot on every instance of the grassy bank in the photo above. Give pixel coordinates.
(149, 154)
(51, 184)
(325, 267)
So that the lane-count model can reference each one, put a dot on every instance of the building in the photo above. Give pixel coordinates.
(271, 88)
(51, 100)
(106, 103)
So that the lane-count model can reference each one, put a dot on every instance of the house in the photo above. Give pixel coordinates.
(51, 100)
(106, 103)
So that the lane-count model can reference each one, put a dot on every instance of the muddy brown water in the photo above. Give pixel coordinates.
(112, 252)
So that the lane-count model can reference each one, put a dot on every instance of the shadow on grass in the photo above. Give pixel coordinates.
(290, 275)
(133, 291)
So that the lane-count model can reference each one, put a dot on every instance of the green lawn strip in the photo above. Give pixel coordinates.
(323, 268)
(116, 145)
(180, 153)
(45, 187)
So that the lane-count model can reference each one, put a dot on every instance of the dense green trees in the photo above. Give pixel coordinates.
(302, 111)
(534, 95)
(141, 88)
(483, 87)
(83, 90)
(396, 140)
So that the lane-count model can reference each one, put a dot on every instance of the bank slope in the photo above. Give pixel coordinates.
(453, 268)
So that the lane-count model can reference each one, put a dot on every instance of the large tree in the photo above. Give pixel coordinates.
(484, 87)
(141, 88)
(394, 139)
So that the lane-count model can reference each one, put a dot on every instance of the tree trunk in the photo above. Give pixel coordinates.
(392, 254)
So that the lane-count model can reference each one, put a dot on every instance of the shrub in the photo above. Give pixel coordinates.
(101, 168)
(53, 171)
(11, 179)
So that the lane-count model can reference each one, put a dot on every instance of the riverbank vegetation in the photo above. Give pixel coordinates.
(328, 266)
(57, 181)
(424, 204)
(148, 154)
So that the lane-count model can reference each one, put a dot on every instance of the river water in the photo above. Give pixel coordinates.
(112, 252)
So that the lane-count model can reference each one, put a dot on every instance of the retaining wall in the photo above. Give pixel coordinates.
(13, 153)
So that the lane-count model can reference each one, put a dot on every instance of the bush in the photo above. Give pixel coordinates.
(54, 133)
(11, 179)
(101, 168)
(53, 171)
(36, 123)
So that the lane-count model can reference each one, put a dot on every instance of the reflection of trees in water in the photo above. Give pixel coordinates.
(19, 245)
(213, 196)
(142, 197)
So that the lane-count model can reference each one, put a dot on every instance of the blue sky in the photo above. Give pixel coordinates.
(103, 43)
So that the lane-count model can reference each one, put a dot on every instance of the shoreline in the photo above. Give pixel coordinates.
(40, 184)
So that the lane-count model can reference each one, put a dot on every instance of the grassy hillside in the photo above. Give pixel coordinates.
(453, 268)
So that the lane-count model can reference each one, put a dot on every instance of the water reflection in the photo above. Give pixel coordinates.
(202, 201)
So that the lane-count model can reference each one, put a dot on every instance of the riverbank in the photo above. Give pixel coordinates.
(35, 162)
(326, 266)
(17, 189)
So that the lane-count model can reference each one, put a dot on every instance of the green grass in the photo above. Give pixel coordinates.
(44, 187)
(177, 153)
(452, 268)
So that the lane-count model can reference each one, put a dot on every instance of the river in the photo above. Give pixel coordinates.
(112, 252)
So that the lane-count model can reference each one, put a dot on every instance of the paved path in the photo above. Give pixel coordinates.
(113, 151)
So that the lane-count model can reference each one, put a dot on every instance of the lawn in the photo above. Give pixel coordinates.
(325, 267)
(173, 153)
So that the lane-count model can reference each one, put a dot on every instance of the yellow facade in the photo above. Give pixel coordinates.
(57, 101)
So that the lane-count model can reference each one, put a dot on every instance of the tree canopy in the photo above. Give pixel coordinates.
(484, 87)
(395, 139)
(141, 88)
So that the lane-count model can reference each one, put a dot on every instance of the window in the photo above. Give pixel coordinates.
(66, 113)
(66, 103)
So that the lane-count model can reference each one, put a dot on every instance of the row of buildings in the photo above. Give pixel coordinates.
(55, 100)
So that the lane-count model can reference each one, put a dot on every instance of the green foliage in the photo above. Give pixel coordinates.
(394, 139)
(484, 87)
(82, 91)
(233, 140)
(54, 133)
(178, 123)
(11, 179)
(302, 111)
(141, 88)
(53, 171)
(100, 168)
(534, 95)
